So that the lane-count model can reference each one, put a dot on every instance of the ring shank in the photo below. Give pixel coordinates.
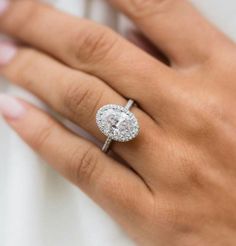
(129, 104)
(106, 145)
(108, 141)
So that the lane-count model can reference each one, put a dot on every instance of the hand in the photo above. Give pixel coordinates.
(178, 187)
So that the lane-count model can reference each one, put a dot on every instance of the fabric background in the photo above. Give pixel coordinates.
(37, 206)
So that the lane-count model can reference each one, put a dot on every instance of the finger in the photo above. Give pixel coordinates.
(176, 27)
(78, 96)
(108, 182)
(89, 47)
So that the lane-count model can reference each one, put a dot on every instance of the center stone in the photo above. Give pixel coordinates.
(117, 122)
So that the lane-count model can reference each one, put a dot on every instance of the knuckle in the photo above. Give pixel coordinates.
(83, 165)
(82, 101)
(93, 43)
(40, 137)
(143, 8)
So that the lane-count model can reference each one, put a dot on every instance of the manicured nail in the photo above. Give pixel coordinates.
(4, 4)
(11, 107)
(7, 52)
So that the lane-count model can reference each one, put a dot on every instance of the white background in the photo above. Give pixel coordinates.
(39, 208)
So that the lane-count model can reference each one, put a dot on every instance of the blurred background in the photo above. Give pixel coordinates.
(37, 206)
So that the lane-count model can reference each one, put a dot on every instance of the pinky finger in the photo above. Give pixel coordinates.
(110, 184)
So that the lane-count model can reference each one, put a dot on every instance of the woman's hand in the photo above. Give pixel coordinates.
(178, 187)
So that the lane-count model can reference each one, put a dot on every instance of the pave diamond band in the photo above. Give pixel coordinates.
(117, 123)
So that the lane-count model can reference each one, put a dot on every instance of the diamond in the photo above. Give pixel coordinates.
(117, 123)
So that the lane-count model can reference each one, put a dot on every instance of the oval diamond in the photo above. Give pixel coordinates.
(117, 123)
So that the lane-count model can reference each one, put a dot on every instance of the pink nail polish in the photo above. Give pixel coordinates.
(10, 107)
(3, 6)
(7, 52)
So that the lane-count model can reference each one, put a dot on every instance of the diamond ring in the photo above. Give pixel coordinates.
(117, 123)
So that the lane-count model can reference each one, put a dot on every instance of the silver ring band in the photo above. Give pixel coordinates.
(107, 145)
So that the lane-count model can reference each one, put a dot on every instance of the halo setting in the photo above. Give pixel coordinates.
(117, 123)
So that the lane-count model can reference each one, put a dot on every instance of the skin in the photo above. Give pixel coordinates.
(176, 185)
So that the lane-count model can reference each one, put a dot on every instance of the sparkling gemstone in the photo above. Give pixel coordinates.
(117, 122)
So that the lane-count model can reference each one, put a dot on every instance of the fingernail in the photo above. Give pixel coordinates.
(7, 52)
(11, 107)
(3, 6)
